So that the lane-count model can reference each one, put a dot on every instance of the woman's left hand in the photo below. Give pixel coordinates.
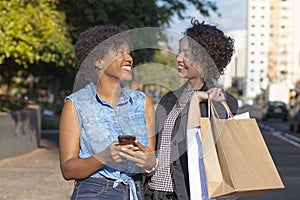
(141, 155)
(216, 94)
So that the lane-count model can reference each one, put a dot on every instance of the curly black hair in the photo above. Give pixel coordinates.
(89, 40)
(210, 48)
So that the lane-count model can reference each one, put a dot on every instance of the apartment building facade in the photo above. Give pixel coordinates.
(272, 44)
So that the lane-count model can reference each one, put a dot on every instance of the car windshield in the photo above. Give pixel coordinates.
(276, 104)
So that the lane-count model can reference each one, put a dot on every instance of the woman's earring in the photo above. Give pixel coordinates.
(99, 66)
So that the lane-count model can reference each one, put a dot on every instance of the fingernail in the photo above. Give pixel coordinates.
(123, 149)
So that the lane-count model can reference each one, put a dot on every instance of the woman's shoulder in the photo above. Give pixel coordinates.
(83, 93)
(172, 95)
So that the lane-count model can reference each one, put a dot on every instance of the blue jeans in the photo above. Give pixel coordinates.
(101, 188)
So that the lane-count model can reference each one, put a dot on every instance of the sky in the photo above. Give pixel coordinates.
(233, 16)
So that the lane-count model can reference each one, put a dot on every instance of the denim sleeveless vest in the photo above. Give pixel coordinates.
(102, 123)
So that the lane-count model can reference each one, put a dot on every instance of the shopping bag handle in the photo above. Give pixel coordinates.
(194, 113)
(214, 110)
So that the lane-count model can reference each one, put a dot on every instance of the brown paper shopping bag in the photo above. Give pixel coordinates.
(236, 159)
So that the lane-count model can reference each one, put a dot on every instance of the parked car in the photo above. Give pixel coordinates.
(275, 109)
(294, 118)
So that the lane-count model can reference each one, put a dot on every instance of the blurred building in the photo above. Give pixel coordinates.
(273, 54)
(235, 72)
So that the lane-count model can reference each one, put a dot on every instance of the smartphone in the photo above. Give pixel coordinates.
(126, 139)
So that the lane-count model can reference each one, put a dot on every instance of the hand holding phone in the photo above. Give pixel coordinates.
(126, 139)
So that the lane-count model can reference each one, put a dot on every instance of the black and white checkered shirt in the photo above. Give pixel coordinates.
(162, 179)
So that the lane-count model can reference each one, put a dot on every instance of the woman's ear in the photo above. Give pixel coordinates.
(99, 64)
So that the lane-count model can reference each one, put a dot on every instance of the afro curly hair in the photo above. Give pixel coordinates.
(211, 48)
(89, 41)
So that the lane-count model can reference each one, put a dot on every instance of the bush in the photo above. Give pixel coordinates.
(10, 103)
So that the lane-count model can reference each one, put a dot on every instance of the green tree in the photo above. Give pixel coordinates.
(35, 44)
(32, 32)
(82, 14)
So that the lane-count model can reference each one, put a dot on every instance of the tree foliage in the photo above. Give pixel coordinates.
(34, 45)
(82, 14)
(32, 32)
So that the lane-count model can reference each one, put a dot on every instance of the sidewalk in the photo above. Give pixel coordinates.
(35, 175)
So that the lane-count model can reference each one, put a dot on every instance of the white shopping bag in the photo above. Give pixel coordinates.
(197, 178)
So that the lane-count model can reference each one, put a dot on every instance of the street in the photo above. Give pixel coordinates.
(284, 147)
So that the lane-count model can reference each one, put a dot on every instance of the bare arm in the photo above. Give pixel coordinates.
(150, 121)
(71, 165)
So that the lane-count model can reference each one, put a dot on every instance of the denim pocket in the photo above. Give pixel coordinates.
(89, 189)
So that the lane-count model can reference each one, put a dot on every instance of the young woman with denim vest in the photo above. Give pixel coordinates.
(94, 116)
(204, 52)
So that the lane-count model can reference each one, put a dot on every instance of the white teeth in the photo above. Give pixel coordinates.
(128, 68)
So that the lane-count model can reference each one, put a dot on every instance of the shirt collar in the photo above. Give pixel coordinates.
(126, 97)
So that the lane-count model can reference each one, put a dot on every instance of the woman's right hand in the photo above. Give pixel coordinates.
(111, 154)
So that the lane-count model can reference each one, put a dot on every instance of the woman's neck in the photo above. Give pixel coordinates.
(109, 90)
(195, 84)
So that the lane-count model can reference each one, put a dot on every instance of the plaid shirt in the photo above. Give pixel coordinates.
(162, 179)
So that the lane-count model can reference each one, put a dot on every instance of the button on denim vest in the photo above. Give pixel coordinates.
(102, 123)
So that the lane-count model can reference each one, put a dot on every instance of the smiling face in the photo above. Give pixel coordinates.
(118, 64)
(184, 58)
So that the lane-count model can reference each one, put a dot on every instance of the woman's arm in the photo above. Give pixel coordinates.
(150, 122)
(71, 165)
